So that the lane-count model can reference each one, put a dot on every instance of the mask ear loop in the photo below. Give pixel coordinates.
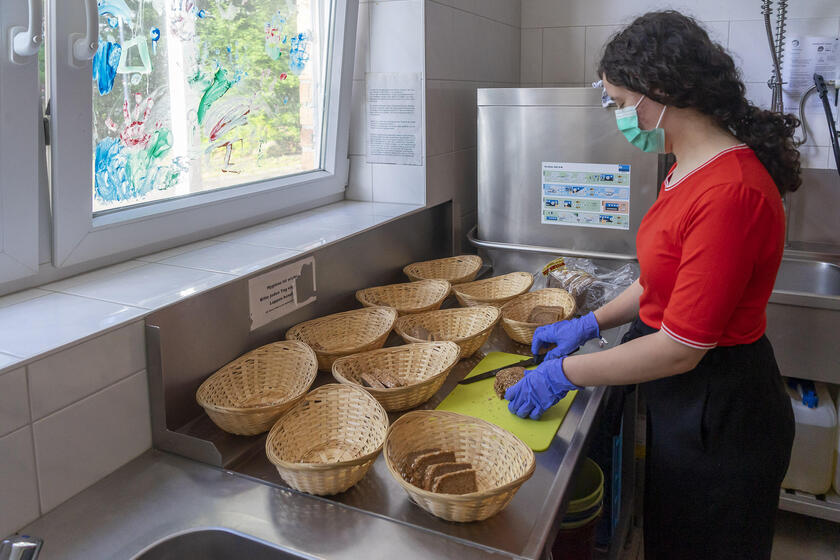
(639, 102)
(662, 114)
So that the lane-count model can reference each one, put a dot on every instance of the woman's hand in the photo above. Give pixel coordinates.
(567, 335)
(539, 390)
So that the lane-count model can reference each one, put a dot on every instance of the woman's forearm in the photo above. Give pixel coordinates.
(620, 310)
(644, 359)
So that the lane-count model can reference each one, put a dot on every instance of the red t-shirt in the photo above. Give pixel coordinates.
(709, 249)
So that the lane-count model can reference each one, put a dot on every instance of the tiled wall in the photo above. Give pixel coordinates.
(470, 44)
(562, 40)
(68, 420)
(389, 38)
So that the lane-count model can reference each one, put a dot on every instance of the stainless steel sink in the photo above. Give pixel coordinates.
(216, 544)
(803, 317)
(808, 277)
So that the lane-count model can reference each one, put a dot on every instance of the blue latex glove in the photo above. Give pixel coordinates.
(539, 390)
(567, 335)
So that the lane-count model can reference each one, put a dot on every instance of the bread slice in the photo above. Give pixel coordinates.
(418, 467)
(388, 379)
(458, 482)
(369, 379)
(405, 464)
(434, 471)
(506, 379)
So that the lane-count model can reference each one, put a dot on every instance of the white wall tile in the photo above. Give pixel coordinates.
(230, 258)
(14, 401)
(464, 115)
(362, 60)
(563, 54)
(718, 31)
(7, 360)
(470, 60)
(80, 444)
(596, 38)
(360, 185)
(18, 485)
(531, 56)
(20, 297)
(148, 286)
(72, 374)
(439, 115)
(396, 36)
(759, 94)
(48, 322)
(504, 11)
(358, 120)
(163, 255)
(507, 42)
(748, 44)
(816, 157)
(403, 184)
(441, 58)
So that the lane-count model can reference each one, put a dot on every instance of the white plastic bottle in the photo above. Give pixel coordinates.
(812, 458)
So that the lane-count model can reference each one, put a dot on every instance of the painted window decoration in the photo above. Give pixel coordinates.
(196, 95)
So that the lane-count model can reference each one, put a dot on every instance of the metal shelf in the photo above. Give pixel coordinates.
(824, 507)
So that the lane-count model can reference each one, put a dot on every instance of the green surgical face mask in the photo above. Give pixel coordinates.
(646, 140)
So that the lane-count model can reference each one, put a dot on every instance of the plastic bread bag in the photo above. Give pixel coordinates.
(591, 285)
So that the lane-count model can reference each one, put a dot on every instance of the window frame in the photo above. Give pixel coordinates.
(79, 236)
(20, 149)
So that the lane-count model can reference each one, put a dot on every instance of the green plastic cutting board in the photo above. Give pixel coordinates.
(478, 399)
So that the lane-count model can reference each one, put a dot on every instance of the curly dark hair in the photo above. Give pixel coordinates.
(670, 58)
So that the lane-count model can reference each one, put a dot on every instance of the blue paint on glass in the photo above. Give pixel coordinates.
(201, 14)
(155, 33)
(117, 8)
(105, 63)
(111, 180)
(298, 53)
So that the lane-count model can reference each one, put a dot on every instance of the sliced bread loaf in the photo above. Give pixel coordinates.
(458, 482)
(434, 471)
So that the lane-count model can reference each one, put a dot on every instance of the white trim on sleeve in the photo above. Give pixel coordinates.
(687, 341)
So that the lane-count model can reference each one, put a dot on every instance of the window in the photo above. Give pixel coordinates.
(192, 116)
(19, 145)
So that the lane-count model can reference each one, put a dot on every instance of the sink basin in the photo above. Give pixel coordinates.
(215, 544)
(808, 277)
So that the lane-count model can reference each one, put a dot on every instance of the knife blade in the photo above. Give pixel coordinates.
(493, 372)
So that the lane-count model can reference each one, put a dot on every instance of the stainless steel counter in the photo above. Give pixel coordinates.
(159, 494)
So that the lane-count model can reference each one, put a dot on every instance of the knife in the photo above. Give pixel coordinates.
(492, 373)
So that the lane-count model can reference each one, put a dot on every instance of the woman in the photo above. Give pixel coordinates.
(719, 421)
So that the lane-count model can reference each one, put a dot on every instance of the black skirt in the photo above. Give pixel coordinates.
(718, 445)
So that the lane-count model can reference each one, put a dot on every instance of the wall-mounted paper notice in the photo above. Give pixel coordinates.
(281, 291)
(393, 118)
(805, 56)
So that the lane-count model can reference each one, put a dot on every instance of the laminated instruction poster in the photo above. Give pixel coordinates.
(585, 194)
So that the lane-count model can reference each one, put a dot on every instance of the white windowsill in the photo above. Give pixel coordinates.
(40, 321)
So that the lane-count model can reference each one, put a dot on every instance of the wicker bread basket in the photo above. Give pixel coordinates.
(501, 460)
(246, 396)
(410, 297)
(515, 312)
(456, 270)
(468, 327)
(494, 291)
(328, 441)
(421, 367)
(342, 334)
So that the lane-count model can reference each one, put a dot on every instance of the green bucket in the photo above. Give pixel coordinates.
(587, 496)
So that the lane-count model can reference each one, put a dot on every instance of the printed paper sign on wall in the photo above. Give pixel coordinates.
(281, 291)
(585, 194)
